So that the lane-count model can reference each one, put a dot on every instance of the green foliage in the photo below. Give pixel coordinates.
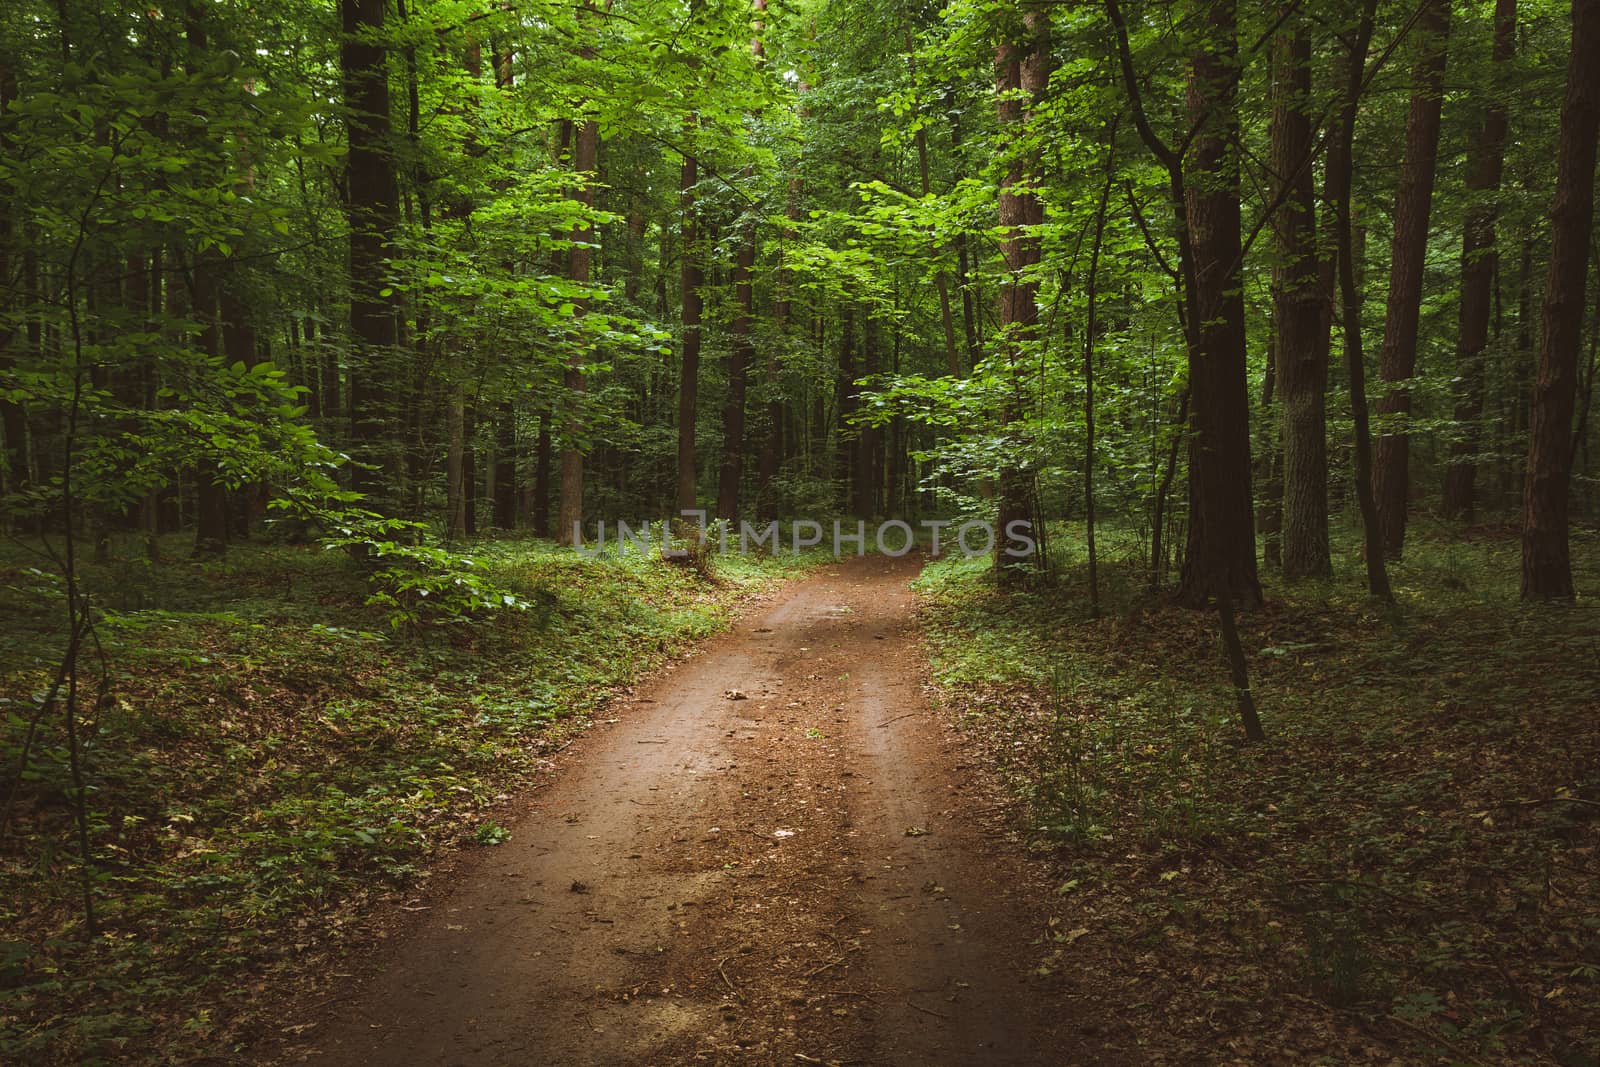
(419, 584)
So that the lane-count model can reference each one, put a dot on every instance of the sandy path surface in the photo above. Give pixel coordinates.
(774, 855)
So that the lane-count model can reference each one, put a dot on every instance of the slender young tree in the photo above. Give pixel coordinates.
(691, 279)
(1413, 208)
(585, 147)
(1340, 172)
(1479, 264)
(1546, 559)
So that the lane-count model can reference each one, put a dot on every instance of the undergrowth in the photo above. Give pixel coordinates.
(1406, 868)
(272, 755)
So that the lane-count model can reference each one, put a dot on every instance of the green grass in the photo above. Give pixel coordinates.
(1409, 866)
(269, 758)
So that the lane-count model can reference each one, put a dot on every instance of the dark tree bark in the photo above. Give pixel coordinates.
(1485, 164)
(1300, 314)
(211, 496)
(941, 281)
(740, 354)
(1546, 560)
(1022, 71)
(505, 467)
(372, 208)
(1090, 329)
(13, 419)
(1341, 165)
(541, 478)
(455, 468)
(1221, 537)
(469, 473)
(691, 278)
(1397, 358)
(585, 148)
(969, 319)
(868, 479)
(845, 440)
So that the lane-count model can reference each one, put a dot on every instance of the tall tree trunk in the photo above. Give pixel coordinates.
(691, 278)
(969, 321)
(1090, 329)
(1022, 71)
(211, 496)
(868, 479)
(455, 496)
(505, 467)
(541, 477)
(1546, 562)
(1300, 313)
(372, 208)
(13, 419)
(1479, 262)
(740, 353)
(941, 281)
(585, 147)
(1413, 204)
(469, 471)
(1341, 166)
(1220, 558)
(845, 445)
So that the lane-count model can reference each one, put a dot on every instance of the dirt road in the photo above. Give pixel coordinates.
(772, 856)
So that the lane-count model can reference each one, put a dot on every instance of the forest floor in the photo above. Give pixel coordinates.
(775, 853)
(888, 818)
(1407, 871)
(271, 763)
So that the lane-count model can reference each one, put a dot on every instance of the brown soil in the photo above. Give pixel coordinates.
(774, 854)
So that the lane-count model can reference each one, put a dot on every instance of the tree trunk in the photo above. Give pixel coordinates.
(844, 448)
(1413, 204)
(13, 420)
(1221, 537)
(505, 467)
(455, 496)
(691, 278)
(941, 281)
(1300, 314)
(586, 143)
(541, 478)
(1091, 327)
(1486, 162)
(1022, 70)
(373, 212)
(1341, 165)
(969, 322)
(211, 497)
(1546, 562)
(740, 353)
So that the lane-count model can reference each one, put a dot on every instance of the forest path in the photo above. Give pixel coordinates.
(800, 876)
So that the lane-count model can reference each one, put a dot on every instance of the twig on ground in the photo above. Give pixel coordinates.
(728, 982)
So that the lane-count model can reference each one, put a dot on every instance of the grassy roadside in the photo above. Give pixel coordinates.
(1406, 872)
(270, 760)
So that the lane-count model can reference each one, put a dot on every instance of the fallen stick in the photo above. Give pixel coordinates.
(725, 981)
